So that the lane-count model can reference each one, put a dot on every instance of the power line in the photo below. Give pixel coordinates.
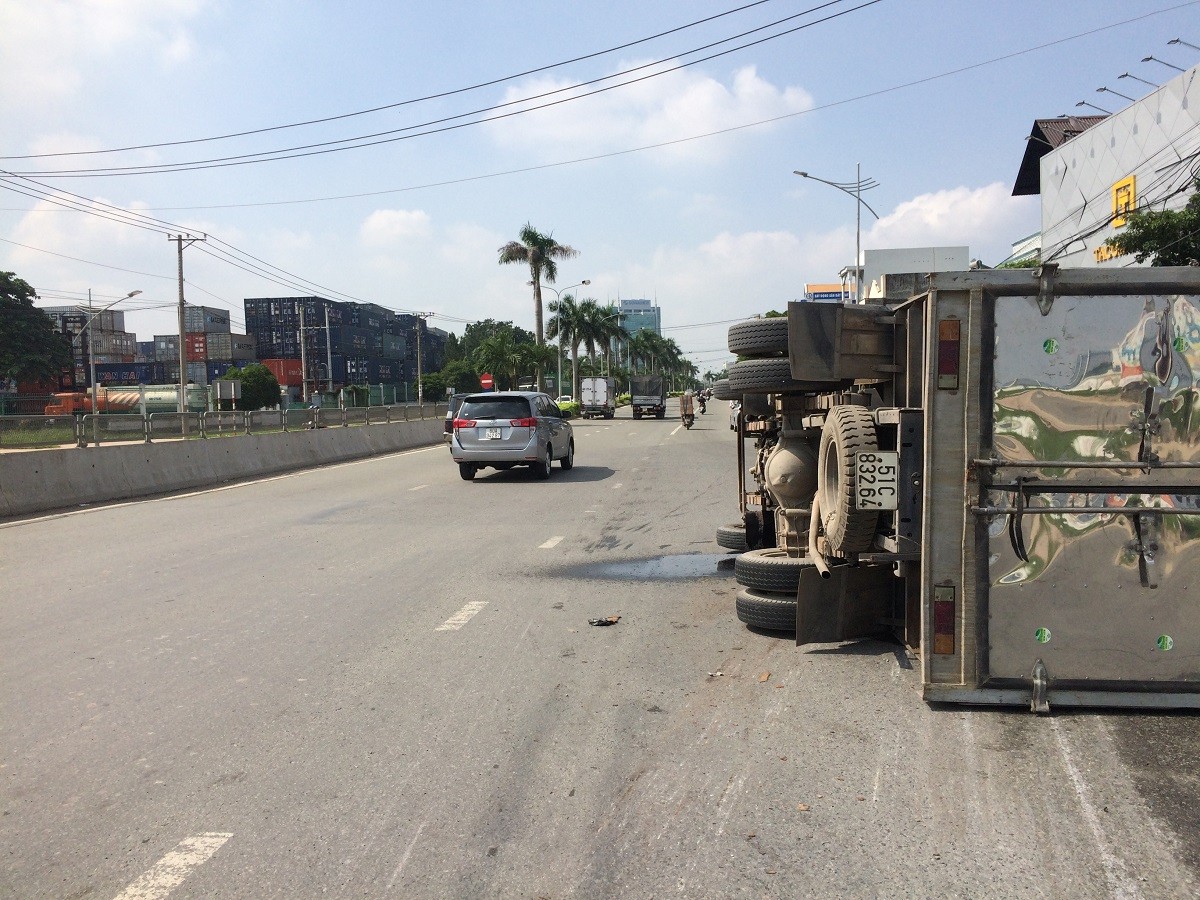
(437, 96)
(362, 141)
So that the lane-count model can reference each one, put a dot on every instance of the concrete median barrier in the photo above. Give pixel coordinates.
(45, 480)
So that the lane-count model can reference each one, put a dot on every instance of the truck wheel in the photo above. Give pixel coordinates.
(722, 391)
(771, 612)
(759, 337)
(661, 414)
(848, 430)
(772, 376)
(568, 461)
(637, 413)
(732, 537)
(466, 471)
(769, 569)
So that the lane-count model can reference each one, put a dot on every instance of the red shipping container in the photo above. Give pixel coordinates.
(197, 346)
(287, 371)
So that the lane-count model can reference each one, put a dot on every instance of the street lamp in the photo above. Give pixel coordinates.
(1182, 41)
(1094, 106)
(1135, 78)
(1164, 62)
(1108, 90)
(91, 343)
(854, 189)
(558, 296)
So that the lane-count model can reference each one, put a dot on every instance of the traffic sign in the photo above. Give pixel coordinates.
(485, 381)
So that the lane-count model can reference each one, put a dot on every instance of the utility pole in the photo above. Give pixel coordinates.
(303, 358)
(180, 240)
(329, 353)
(420, 388)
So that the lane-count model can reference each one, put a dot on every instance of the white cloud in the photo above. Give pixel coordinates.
(672, 106)
(987, 219)
(58, 45)
(390, 227)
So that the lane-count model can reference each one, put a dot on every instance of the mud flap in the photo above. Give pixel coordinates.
(854, 602)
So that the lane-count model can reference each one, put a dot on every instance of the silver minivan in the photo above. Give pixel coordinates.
(511, 428)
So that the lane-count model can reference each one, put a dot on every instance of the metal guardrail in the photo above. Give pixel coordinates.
(39, 432)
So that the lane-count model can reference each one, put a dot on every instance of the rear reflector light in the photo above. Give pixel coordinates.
(523, 423)
(949, 354)
(464, 423)
(943, 620)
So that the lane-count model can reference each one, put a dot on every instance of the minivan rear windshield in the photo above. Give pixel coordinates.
(498, 408)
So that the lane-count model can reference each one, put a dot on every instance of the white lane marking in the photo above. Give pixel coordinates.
(1119, 881)
(463, 616)
(676, 431)
(170, 871)
(419, 487)
(617, 485)
(552, 543)
(404, 858)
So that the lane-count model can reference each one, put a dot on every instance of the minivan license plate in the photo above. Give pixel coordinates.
(877, 479)
(492, 434)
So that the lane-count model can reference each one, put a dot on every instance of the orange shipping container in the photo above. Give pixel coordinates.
(197, 346)
(287, 371)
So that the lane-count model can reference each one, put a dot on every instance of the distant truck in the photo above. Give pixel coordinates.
(648, 395)
(158, 398)
(598, 397)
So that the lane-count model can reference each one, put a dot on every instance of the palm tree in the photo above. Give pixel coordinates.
(501, 355)
(541, 253)
(601, 326)
(565, 325)
(537, 358)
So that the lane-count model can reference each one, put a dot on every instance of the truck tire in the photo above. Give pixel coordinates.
(732, 537)
(770, 569)
(637, 413)
(722, 391)
(661, 414)
(772, 376)
(848, 430)
(771, 612)
(759, 337)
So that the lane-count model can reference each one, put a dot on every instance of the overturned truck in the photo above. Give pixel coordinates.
(999, 468)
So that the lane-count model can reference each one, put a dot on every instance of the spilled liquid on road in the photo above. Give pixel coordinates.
(659, 568)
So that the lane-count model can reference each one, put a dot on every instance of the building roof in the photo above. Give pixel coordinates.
(1047, 135)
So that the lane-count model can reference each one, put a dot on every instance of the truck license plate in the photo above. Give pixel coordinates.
(492, 434)
(877, 479)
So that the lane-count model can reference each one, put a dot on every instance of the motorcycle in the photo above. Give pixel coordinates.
(687, 411)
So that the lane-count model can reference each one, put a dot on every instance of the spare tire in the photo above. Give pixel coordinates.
(770, 569)
(732, 537)
(721, 390)
(772, 612)
(848, 431)
(759, 337)
(773, 376)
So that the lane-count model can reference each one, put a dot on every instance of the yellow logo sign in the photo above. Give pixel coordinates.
(1124, 199)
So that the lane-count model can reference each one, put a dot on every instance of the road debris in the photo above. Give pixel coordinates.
(765, 676)
(607, 620)
(716, 674)
(803, 807)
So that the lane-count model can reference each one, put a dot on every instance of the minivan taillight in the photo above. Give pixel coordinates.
(523, 423)
(464, 423)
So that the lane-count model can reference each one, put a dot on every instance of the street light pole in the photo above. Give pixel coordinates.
(558, 296)
(92, 344)
(853, 189)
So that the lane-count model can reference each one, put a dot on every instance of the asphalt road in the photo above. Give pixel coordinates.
(377, 680)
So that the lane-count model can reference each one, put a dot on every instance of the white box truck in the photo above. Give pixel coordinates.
(598, 397)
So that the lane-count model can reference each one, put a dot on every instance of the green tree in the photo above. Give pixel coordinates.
(541, 253)
(30, 348)
(565, 325)
(536, 359)
(461, 376)
(1166, 237)
(260, 387)
(501, 355)
(477, 332)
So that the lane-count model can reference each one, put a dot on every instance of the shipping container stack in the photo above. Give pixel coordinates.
(106, 337)
(364, 342)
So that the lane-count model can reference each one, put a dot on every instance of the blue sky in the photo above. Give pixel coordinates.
(678, 187)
